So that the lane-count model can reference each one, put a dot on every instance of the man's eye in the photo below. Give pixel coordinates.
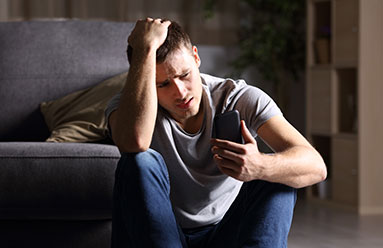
(185, 75)
(163, 85)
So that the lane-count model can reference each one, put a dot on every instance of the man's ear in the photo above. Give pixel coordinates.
(196, 56)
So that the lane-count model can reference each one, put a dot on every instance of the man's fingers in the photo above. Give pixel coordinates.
(158, 20)
(228, 145)
(226, 163)
(227, 154)
(149, 32)
(228, 172)
(165, 22)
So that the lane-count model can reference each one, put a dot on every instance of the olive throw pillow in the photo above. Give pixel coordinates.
(79, 116)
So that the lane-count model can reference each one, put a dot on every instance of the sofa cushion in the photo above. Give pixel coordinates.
(56, 180)
(44, 60)
(79, 117)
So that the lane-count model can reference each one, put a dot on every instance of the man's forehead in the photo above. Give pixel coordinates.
(182, 53)
(166, 71)
(176, 63)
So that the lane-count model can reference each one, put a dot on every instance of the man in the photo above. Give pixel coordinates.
(175, 185)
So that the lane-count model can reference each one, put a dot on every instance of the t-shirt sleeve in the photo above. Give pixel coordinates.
(256, 107)
(112, 105)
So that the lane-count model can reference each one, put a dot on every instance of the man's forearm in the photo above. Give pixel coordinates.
(133, 122)
(298, 167)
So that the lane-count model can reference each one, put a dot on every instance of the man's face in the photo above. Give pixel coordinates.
(179, 87)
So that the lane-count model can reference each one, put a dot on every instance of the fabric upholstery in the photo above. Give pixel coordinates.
(44, 60)
(56, 180)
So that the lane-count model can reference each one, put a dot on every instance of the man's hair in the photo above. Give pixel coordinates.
(176, 39)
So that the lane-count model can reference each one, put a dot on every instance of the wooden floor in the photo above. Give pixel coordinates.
(317, 226)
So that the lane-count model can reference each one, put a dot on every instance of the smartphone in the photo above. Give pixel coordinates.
(227, 126)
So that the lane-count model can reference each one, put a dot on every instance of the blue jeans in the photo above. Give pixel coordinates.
(260, 216)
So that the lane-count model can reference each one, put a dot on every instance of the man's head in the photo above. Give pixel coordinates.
(178, 81)
(176, 39)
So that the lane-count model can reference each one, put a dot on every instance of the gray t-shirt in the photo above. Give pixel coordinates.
(200, 193)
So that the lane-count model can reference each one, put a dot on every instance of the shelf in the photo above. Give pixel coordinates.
(344, 170)
(345, 65)
(320, 101)
(322, 32)
(346, 80)
(321, 67)
(344, 101)
(346, 31)
(319, 133)
(349, 136)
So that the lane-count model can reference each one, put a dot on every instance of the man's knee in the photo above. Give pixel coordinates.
(283, 193)
(148, 160)
(143, 166)
(280, 197)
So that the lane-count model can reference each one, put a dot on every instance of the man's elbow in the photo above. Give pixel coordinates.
(132, 145)
(321, 169)
(128, 140)
(318, 172)
(323, 172)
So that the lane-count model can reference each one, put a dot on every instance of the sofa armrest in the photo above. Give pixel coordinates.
(56, 180)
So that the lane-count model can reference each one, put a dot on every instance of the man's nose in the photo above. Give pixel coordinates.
(179, 89)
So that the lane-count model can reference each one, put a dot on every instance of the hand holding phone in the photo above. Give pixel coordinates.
(227, 126)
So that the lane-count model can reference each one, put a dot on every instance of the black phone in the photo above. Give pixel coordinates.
(228, 126)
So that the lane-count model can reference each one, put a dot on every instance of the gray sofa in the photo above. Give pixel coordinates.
(54, 194)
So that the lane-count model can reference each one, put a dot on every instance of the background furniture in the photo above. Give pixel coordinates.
(54, 194)
(344, 100)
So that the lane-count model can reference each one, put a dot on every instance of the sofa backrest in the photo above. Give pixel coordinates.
(44, 60)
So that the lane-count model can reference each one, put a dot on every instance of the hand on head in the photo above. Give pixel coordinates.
(149, 34)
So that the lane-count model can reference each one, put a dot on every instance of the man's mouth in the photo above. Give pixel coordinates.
(185, 104)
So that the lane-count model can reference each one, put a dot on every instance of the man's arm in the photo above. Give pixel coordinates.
(132, 123)
(295, 162)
